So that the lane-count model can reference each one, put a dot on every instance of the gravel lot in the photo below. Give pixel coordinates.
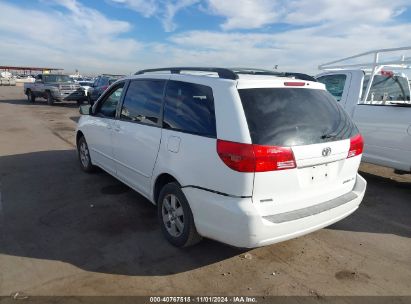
(63, 232)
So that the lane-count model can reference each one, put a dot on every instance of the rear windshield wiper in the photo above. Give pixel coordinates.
(329, 135)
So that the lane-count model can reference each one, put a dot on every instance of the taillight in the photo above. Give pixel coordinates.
(255, 158)
(104, 88)
(356, 146)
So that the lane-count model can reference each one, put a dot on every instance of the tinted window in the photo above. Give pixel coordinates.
(109, 104)
(57, 78)
(385, 89)
(189, 108)
(142, 102)
(103, 81)
(291, 117)
(334, 84)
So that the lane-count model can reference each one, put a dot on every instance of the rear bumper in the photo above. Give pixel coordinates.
(236, 221)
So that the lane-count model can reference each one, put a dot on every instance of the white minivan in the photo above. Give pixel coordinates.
(245, 157)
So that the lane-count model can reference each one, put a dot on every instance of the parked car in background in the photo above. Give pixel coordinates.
(86, 86)
(101, 83)
(245, 159)
(378, 101)
(54, 88)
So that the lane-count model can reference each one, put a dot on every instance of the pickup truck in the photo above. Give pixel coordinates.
(381, 110)
(54, 87)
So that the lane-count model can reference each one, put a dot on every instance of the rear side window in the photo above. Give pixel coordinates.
(142, 102)
(291, 117)
(189, 108)
(334, 84)
(386, 89)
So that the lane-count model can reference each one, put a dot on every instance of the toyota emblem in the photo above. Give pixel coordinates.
(326, 151)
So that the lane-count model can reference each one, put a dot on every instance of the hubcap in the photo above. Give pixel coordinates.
(173, 215)
(84, 154)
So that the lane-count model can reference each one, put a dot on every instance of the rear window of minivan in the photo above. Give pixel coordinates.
(294, 116)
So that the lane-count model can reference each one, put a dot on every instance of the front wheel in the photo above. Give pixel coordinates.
(175, 217)
(84, 155)
(30, 96)
(50, 99)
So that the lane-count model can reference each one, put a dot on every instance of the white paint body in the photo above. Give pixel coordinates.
(386, 128)
(233, 211)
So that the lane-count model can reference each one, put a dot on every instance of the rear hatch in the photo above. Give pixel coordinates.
(317, 146)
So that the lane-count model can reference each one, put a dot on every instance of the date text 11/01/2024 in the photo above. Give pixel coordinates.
(205, 299)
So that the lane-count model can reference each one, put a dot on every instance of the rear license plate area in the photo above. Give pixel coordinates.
(319, 173)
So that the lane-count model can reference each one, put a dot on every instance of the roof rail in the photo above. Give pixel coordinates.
(222, 73)
(375, 66)
(231, 73)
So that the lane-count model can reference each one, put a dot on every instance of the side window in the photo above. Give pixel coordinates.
(103, 81)
(189, 108)
(334, 84)
(143, 100)
(108, 105)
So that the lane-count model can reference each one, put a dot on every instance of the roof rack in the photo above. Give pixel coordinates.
(231, 73)
(222, 73)
(374, 67)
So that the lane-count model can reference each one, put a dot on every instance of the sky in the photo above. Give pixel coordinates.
(123, 36)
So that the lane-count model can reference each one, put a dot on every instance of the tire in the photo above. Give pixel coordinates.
(49, 98)
(175, 217)
(83, 154)
(30, 96)
(90, 101)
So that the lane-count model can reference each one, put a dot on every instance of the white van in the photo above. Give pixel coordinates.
(245, 157)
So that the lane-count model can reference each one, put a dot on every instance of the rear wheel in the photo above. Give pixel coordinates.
(30, 96)
(84, 155)
(50, 99)
(175, 217)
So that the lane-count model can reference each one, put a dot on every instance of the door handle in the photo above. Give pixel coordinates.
(109, 127)
(117, 128)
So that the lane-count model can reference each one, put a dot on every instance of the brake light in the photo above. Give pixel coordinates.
(255, 158)
(104, 88)
(387, 73)
(294, 84)
(356, 146)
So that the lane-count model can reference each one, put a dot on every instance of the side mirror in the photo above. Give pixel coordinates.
(86, 110)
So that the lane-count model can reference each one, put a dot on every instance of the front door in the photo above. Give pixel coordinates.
(137, 133)
(99, 133)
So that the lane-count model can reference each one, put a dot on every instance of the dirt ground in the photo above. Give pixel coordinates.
(64, 232)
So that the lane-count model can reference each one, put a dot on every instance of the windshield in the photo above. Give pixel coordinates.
(291, 117)
(56, 78)
(387, 89)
